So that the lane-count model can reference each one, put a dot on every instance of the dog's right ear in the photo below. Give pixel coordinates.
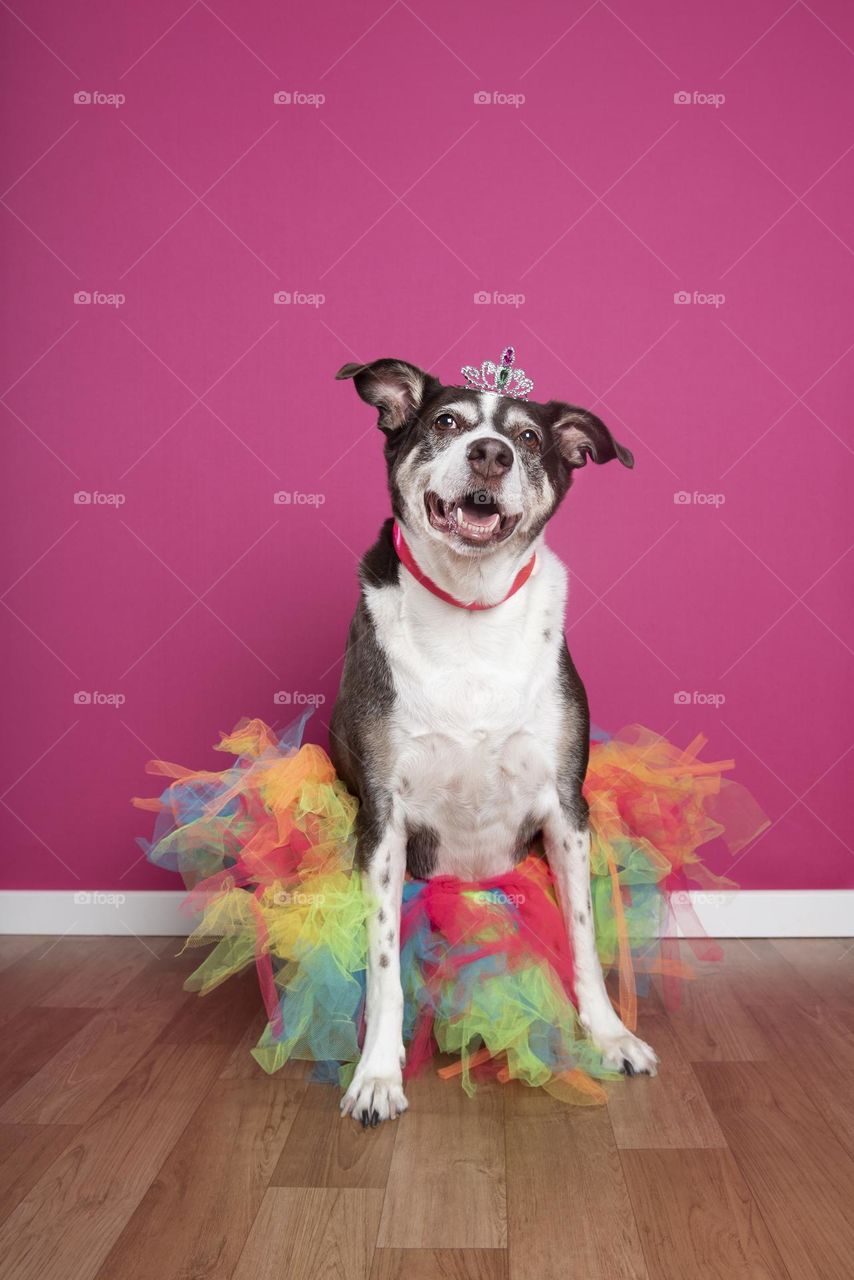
(393, 387)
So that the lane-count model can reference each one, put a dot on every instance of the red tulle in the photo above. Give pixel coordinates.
(447, 908)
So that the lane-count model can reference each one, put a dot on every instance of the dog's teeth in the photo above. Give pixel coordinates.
(493, 522)
(459, 516)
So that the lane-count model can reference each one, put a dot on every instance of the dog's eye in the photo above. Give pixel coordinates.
(445, 422)
(531, 440)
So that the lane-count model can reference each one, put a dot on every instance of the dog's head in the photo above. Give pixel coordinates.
(474, 469)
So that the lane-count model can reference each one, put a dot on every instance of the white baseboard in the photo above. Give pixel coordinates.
(144, 912)
(746, 913)
(776, 913)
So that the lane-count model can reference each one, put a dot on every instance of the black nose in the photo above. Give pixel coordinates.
(489, 458)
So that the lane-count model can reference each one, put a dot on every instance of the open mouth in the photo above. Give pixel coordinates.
(477, 518)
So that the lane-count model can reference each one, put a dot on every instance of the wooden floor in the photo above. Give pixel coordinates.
(139, 1141)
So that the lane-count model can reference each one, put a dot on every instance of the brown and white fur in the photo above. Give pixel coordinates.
(463, 733)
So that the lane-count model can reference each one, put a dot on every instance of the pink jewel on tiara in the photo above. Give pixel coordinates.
(502, 378)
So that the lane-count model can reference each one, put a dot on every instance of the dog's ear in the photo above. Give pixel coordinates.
(581, 435)
(394, 387)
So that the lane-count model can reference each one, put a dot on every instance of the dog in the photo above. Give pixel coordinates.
(461, 723)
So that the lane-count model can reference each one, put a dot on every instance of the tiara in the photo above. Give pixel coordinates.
(500, 378)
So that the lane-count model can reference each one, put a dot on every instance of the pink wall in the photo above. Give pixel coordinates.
(398, 199)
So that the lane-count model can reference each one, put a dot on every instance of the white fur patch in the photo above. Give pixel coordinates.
(477, 717)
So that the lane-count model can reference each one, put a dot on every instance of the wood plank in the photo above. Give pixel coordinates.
(800, 1176)
(219, 1017)
(240, 1065)
(833, 1095)
(826, 964)
(312, 1232)
(30, 1038)
(696, 1217)
(817, 1044)
(325, 1150)
(29, 980)
(757, 966)
(160, 983)
(14, 946)
(816, 1037)
(440, 1264)
(108, 966)
(712, 1025)
(753, 964)
(569, 1212)
(446, 1184)
(196, 1216)
(74, 1083)
(28, 1150)
(68, 1222)
(668, 1110)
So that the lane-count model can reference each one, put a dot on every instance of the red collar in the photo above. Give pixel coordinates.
(408, 561)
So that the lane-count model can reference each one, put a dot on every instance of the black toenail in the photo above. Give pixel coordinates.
(628, 1068)
(375, 1119)
(364, 1119)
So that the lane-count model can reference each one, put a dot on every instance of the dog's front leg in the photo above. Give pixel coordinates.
(567, 841)
(376, 1090)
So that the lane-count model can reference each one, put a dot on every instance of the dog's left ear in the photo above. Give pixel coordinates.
(394, 387)
(581, 435)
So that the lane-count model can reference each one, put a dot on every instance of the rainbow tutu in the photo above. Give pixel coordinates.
(266, 850)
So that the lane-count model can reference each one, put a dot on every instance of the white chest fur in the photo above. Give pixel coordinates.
(477, 723)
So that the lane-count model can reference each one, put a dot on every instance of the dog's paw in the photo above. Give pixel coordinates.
(626, 1052)
(373, 1098)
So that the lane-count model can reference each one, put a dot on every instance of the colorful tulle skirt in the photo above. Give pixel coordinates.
(266, 847)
